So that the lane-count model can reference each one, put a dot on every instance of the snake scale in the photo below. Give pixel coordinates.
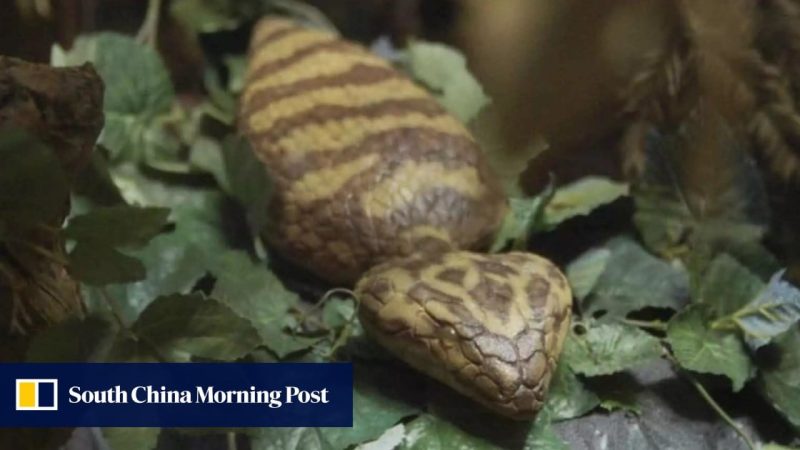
(376, 185)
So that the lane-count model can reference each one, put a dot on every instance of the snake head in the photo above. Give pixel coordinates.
(489, 326)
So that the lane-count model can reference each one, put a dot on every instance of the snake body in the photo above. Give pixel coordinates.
(376, 185)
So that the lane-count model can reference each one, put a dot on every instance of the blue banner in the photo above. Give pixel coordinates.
(176, 395)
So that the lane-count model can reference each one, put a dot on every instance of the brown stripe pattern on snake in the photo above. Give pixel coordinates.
(370, 172)
(367, 165)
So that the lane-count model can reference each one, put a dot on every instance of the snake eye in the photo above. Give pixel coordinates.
(447, 333)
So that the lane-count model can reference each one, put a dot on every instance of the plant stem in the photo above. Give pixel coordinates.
(346, 330)
(232, 441)
(533, 221)
(733, 321)
(718, 409)
(710, 400)
(656, 325)
(325, 297)
(148, 33)
(114, 307)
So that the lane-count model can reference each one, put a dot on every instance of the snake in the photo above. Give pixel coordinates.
(376, 186)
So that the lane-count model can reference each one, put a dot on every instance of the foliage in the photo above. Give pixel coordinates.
(172, 269)
(212, 16)
(603, 349)
(373, 411)
(96, 258)
(138, 91)
(131, 438)
(774, 311)
(246, 180)
(781, 384)
(628, 279)
(581, 198)
(568, 397)
(444, 71)
(552, 207)
(184, 326)
(699, 348)
(431, 432)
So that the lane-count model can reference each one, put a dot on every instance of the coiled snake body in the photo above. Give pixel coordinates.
(376, 184)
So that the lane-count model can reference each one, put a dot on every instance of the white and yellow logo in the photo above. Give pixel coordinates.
(37, 395)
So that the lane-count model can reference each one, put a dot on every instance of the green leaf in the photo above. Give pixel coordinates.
(206, 155)
(568, 397)
(146, 190)
(95, 259)
(373, 410)
(94, 186)
(138, 88)
(129, 349)
(727, 286)
(99, 265)
(604, 349)
(247, 181)
(584, 273)
(523, 219)
(256, 294)
(174, 265)
(33, 186)
(581, 198)
(542, 436)
(429, 432)
(211, 16)
(175, 261)
(221, 104)
(634, 279)
(197, 326)
(772, 446)
(299, 438)
(337, 312)
(131, 438)
(546, 211)
(126, 138)
(118, 226)
(742, 244)
(618, 393)
(781, 384)
(237, 68)
(73, 340)
(773, 312)
(163, 150)
(700, 348)
(444, 70)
